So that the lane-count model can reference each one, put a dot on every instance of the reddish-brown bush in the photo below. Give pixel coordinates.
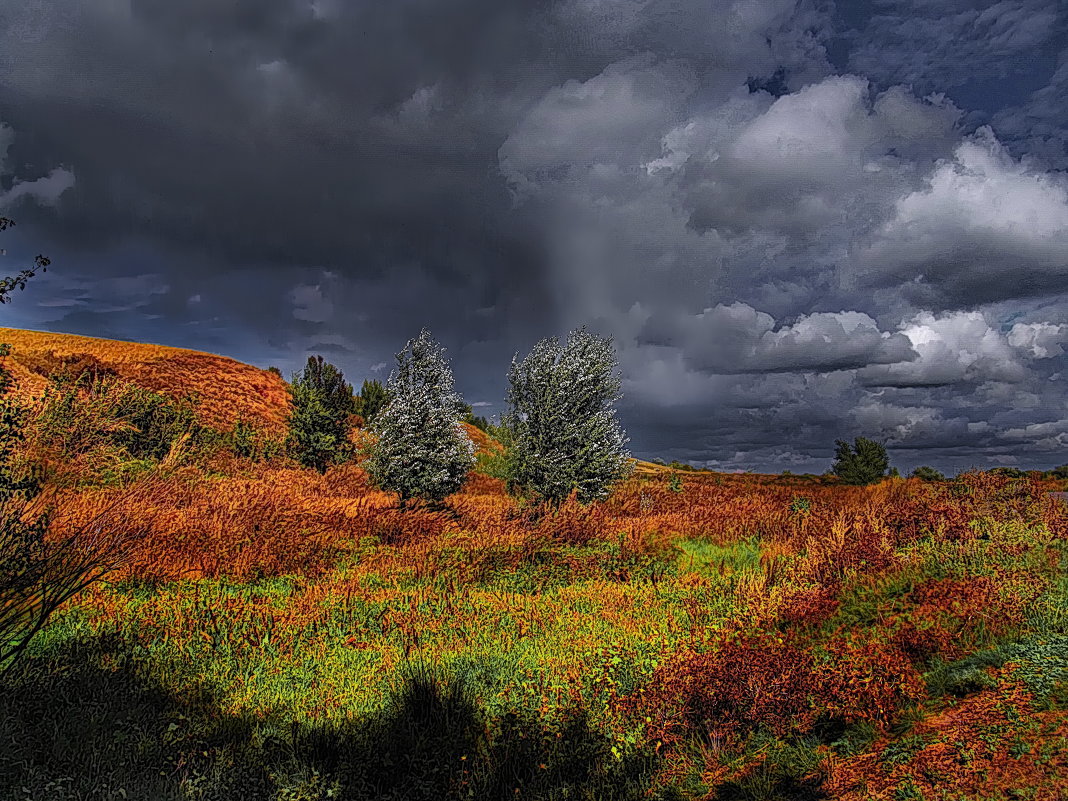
(573, 523)
(193, 526)
(754, 681)
(866, 681)
(760, 681)
(809, 607)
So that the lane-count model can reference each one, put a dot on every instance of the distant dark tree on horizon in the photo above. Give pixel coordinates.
(472, 419)
(865, 462)
(925, 473)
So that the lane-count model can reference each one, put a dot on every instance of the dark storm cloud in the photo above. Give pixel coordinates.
(947, 43)
(788, 229)
(984, 227)
(1001, 60)
(354, 136)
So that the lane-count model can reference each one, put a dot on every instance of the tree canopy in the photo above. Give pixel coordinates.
(865, 462)
(420, 450)
(562, 417)
(319, 421)
(372, 399)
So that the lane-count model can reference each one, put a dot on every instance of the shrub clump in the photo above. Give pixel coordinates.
(103, 423)
(762, 682)
(865, 462)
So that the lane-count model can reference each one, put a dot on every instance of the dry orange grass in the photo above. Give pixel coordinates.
(643, 468)
(226, 390)
(740, 645)
(964, 746)
(282, 520)
(483, 442)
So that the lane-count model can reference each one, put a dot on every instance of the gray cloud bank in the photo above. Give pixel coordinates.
(790, 216)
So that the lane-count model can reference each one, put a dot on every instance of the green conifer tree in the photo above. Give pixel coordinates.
(319, 421)
(371, 401)
(421, 450)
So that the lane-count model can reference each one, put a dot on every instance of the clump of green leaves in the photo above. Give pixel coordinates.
(421, 450)
(319, 422)
(865, 462)
(566, 438)
(249, 442)
(675, 482)
(1009, 472)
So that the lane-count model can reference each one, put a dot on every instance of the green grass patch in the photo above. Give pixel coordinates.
(704, 556)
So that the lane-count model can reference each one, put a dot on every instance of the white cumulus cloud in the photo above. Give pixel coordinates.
(985, 226)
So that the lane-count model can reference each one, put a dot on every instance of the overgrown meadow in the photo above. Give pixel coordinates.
(281, 634)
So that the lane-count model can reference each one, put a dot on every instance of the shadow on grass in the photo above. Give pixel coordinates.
(83, 723)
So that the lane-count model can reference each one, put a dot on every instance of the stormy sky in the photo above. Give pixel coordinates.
(799, 220)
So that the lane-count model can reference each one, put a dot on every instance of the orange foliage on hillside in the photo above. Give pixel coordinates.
(483, 442)
(226, 390)
(766, 610)
(819, 638)
(966, 746)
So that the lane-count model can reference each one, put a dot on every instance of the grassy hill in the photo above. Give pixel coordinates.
(226, 390)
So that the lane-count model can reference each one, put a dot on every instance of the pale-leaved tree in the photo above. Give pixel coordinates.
(562, 419)
(420, 448)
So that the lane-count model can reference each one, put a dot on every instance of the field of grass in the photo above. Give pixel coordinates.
(286, 635)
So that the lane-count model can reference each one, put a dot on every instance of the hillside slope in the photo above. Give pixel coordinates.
(225, 389)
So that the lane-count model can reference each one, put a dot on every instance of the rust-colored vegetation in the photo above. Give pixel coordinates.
(296, 635)
(223, 390)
